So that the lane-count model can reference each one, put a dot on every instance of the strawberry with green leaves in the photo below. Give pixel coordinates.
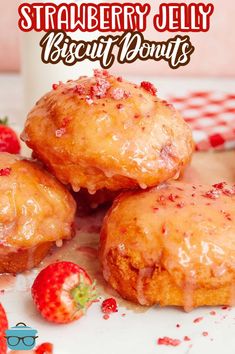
(9, 141)
(3, 328)
(62, 292)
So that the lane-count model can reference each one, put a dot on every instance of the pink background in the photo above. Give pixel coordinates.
(214, 54)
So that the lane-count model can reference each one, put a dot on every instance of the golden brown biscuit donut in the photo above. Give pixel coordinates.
(172, 245)
(105, 133)
(35, 212)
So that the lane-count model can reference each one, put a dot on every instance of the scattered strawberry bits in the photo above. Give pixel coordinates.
(205, 334)
(101, 73)
(119, 94)
(212, 194)
(198, 319)
(109, 306)
(187, 339)
(99, 89)
(168, 341)
(147, 86)
(5, 171)
(212, 313)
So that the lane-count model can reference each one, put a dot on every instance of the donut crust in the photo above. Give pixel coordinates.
(36, 211)
(122, 139)
(173, 245)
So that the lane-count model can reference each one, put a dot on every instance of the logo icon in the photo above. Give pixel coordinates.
(21, 337)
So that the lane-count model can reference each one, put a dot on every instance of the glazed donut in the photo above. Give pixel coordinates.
(102, 132)
(36, 211)
(172, 245)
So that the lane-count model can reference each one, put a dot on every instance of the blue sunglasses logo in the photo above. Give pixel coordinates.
(21, 337)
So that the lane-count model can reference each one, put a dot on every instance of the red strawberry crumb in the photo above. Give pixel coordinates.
(99, 90)
(60, 132)
(187, 339)
(220, 185)
(109, 306)
(101, 73)
(229, 192)
(106, 317)
(212, 313)
(55, 86)
(178, 325)
(205, 334)
(120, 106)
(180, 205)
(198, 319)
(155, 209)
(161, 199)
(79, 89)
(5, 171)
(172, 197)
(123, 314)
(89, 100)
(212, 194)
(119, 79)
(136, 116)
(119, 94)
(147, 86)
(224, 308)
(168, 341)
(164, 229)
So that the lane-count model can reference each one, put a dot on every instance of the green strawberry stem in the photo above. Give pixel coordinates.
(4, 121)
(83, 294)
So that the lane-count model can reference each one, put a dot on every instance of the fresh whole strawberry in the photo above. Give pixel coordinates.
(9, 141)
(62, 292)
(45, 348)
(3, 328)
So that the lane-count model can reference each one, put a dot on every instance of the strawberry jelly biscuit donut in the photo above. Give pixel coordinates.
(172, 245)
(35, 211)
(105, 133)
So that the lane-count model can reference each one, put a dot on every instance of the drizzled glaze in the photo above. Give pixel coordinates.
(194, 243)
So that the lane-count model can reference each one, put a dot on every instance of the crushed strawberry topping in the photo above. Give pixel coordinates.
(120, 106)
(168, 341)
(101, 73)
(89, 100)
(212, 313)
(147, 86)
(100, 88)
(119, 94)
(79, 89)
(109, 306)
(220, 185)
(212, 194)
(62, 130)
(5, 171)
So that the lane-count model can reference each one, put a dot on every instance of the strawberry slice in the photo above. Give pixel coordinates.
(3, 328)
(62, 292)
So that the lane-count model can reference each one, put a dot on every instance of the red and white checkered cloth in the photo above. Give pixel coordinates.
(211, 116)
